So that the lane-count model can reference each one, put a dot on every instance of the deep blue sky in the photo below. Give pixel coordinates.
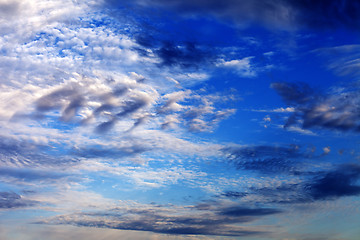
(179, 119)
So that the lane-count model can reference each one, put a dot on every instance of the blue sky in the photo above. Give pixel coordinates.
(179, 119)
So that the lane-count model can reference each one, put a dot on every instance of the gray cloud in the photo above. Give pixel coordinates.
(219, 222)
(74, 100)
(13, 200)
(106, 126)
(265, 159)
(242, 211)
(337, 183)
(131, 106)
(68, 98)
(103, 152)
(295, 93)
(337, 110)
(340, 181)
(187, 56)
(31, 174)
(9, 8)
(17, 153)
(128, 107)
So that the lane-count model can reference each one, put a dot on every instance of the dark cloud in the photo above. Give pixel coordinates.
(283, 194)
(187, 55)
(264, 159)
(338, 110)
(120, 91)
(72, 108)
(296, 14)
(18, 153)
(294, 93)
(217, 221)
(99, 151)
(69, 98)
(53, 100)
(184, 54)
(31, 174)
(128, 107)
(14, 200)
(175, 41)
(328, 14)
(106, 126)
(9, 8)
(261, 151)
(138, 122)
(241, 211)
(104, 107)
(234, 194)
(334, 184)
(268, 165)
(131, 106)
(170, 228)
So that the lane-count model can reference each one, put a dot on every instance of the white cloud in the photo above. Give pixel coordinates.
(276, 110)
(300, 130)
(326, 150)
(242, 66)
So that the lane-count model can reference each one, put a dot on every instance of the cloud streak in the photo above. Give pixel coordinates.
(158, 220)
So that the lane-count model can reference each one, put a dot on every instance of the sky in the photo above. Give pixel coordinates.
(179, 119)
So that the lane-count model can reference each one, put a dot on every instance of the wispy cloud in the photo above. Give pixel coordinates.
(276, 110)
(343, 60)
(162, 220)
